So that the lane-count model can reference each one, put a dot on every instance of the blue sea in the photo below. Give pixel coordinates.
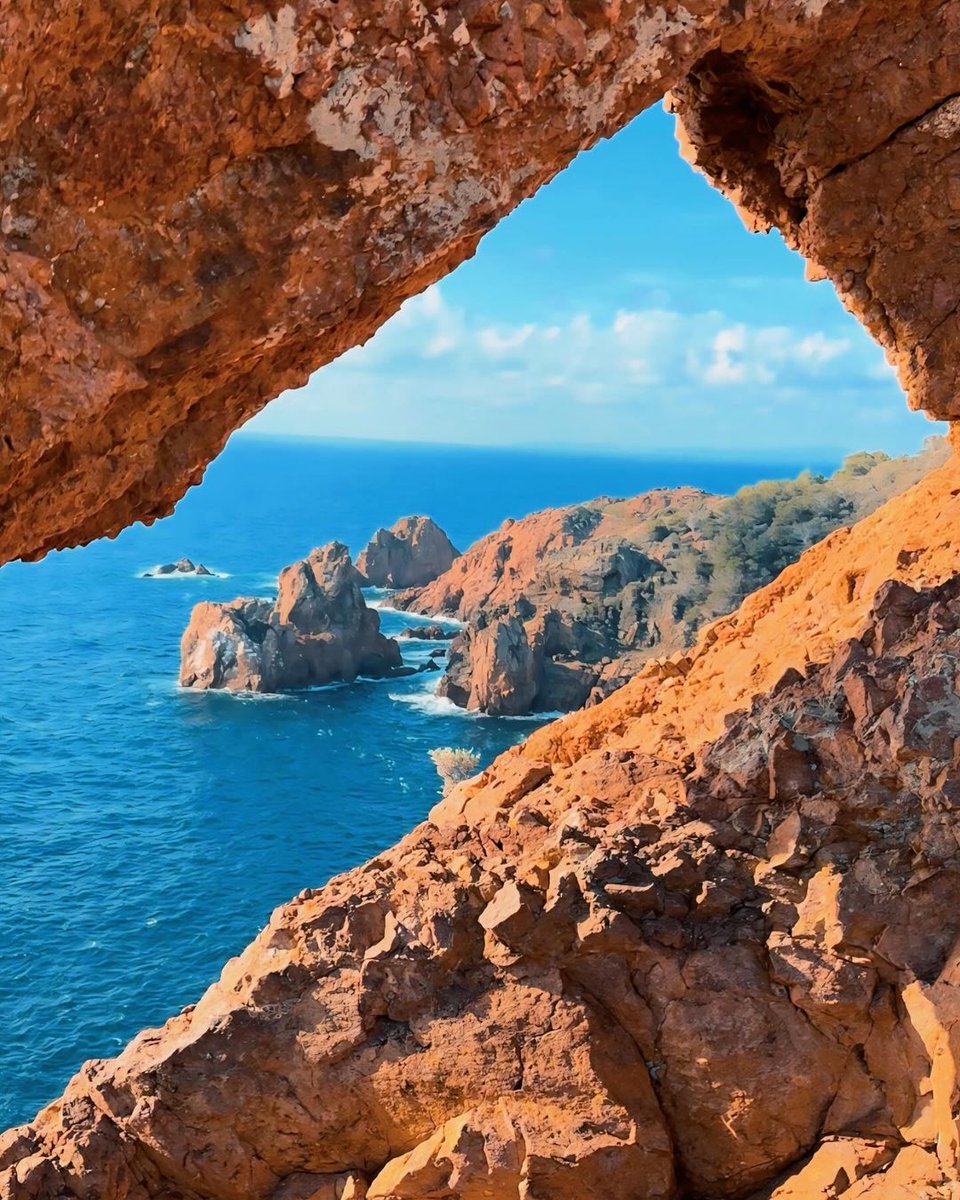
(147, 833)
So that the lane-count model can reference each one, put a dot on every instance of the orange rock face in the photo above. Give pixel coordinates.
(201, 203)
(695, 943)
(411, 553)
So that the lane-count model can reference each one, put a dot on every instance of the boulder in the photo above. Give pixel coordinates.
(183, 566)
(411, 553)
(428, 633)
(318, 630)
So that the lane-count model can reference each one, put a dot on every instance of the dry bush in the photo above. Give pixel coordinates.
(454, 765)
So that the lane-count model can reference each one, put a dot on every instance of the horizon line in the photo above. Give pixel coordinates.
(791, 455)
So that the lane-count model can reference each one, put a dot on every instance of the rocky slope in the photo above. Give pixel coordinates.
(319, 629)
(411, 553)
(566, 605)
(697, 941)
(201, 203)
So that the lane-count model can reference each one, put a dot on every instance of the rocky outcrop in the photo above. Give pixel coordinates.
(697, 941)
(318, 630)
(566, 605)
(183, 566)
(428, 633)
(200, 204)
(411, 553)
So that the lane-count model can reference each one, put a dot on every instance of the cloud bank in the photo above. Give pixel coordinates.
(651, 379)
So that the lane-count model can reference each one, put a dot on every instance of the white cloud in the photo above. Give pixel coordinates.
(656, 377)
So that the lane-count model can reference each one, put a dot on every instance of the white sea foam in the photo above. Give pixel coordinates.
(427, 701)
(433, 705)
(415, 618)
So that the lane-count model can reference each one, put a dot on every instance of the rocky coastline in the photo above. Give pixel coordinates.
(563, 607)
(697, 940)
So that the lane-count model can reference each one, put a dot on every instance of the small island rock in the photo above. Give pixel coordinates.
(411, 553)
(319, 630)
(428, 633)
(183, 566)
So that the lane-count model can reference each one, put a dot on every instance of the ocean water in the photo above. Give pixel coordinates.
(146, 833)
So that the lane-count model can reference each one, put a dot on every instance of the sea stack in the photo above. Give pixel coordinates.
(411, 553)
(319, 630)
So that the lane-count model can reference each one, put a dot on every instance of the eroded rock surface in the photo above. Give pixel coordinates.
(672, 946)
(318, 630)
(411, 553)
(201, 203)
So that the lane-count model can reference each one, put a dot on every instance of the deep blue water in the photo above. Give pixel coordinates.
(146, 834)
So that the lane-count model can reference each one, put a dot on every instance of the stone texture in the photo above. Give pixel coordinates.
(700, 945)
(201, 203)
(411, 553)
(318, 630)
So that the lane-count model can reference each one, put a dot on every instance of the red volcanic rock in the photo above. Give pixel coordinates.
(698, 941)
(411, 553)
(202, 203)
(319, 629)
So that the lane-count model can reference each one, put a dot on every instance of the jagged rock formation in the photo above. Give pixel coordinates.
(200, 204)
(411, 553)
(318, 630)
(698, 941)
(568, 604)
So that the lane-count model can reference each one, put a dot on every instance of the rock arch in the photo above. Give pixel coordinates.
(205, 199)
(202, 201)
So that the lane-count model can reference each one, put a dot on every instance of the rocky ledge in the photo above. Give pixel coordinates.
(566, 605)
(411, 553)
(318, 630)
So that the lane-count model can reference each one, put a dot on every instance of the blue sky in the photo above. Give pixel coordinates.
(624, 307)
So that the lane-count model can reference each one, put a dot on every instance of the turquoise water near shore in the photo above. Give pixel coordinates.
(146, 833)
